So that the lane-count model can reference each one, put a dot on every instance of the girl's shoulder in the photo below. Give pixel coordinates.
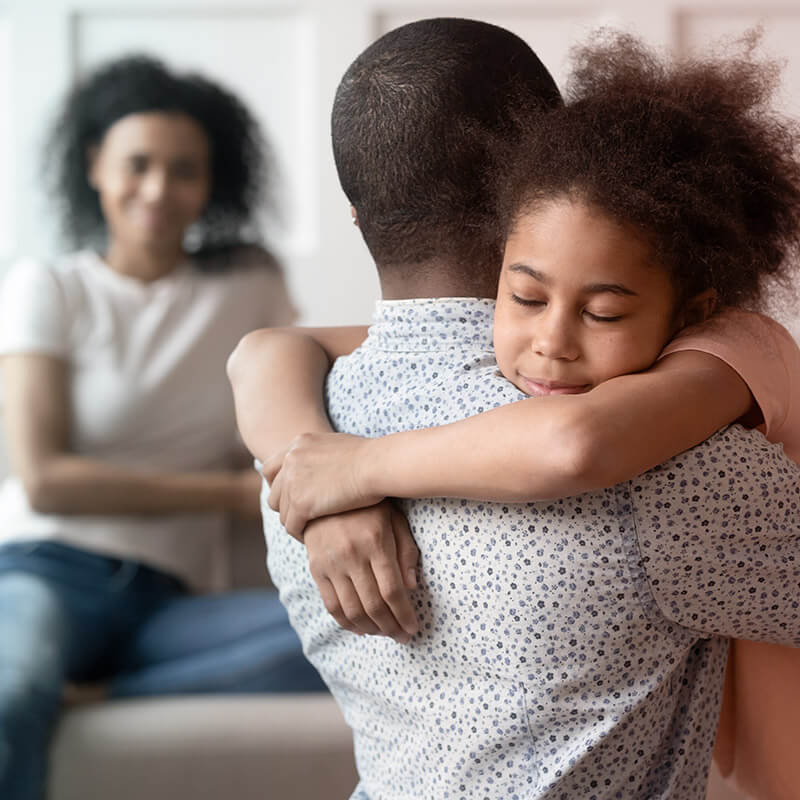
(745, 339)
(766, 357)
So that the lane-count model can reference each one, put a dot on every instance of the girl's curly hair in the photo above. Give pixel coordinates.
(135, 84)
(690, 153)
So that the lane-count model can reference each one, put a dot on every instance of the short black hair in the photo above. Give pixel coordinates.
(240, 159)
(690, 153)
(414, 125)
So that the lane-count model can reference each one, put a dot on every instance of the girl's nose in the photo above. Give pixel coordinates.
(555, 337)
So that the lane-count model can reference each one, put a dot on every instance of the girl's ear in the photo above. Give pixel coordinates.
(698, 308)
(354, 215)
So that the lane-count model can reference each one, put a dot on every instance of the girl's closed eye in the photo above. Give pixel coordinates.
(531, 302)
(603, 317)
(527, 301)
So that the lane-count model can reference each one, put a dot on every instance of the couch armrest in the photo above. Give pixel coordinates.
(208, 748)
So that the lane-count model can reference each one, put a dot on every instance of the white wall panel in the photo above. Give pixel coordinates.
(701, 28)
(6, 121)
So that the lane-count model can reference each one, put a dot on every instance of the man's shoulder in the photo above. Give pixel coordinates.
(717, 533)
(458, 371)
(731, 461)
(734, 447)
(397, 391)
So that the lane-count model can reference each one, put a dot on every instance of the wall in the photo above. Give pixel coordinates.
(285, 57)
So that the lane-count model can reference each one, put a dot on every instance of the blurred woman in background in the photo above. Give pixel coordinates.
(119, 421)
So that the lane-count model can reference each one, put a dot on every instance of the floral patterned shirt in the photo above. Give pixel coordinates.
(568, 649)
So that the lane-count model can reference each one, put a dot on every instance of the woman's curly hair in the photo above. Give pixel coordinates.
(690, 153)
(240, 158)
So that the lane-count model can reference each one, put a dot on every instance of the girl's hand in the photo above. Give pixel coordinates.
(364, 563)
(318, 475)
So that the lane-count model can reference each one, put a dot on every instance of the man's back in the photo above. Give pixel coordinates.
(544, 667)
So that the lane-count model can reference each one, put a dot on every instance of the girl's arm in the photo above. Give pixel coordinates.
(277, 376)
(364, 562)
(550, 447)
(56, 481)
(535, 449)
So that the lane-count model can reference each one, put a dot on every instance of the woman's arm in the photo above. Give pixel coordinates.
(535, 449)
(277, 376)
(56, 481)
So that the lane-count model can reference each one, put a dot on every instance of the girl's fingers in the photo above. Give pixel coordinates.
(275, 491)
(294, 521)
(271, 466)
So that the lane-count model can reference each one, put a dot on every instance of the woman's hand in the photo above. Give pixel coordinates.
(364, 563)
(320, 474)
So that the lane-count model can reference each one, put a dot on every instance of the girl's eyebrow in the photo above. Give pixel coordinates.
(613, 288)
(591, 288)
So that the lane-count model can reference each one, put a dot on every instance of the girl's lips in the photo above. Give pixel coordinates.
(533, 386)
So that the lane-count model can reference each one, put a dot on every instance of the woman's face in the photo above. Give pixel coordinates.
(579, 301)
(152, 172)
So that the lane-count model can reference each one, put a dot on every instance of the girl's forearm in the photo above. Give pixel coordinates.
(498, 455)
(548, 447)
(278, 378)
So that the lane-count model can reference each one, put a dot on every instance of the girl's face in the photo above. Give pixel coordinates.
(579, 301)
(152, 173)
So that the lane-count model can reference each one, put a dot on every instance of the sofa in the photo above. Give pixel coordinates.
(251, 747)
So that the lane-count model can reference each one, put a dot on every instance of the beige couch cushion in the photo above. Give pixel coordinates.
(204, 748)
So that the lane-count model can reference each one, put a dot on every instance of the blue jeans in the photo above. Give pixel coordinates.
(70, 615)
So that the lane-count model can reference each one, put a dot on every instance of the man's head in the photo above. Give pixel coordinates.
(417, 119)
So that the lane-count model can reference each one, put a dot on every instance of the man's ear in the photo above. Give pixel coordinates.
(698, 308)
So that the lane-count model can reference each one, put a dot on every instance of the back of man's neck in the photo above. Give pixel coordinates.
(415, 281)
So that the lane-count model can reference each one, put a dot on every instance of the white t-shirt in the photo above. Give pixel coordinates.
(147, 388)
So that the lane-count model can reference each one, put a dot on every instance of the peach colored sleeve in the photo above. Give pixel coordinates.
(765, 356)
